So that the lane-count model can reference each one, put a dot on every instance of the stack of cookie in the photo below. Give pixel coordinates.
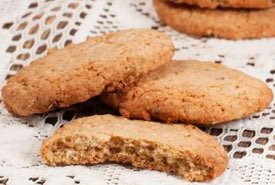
(132, 71)
(229, 19)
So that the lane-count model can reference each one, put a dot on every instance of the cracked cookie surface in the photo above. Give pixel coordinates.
(253, 4)
(79, 72)
(192, 92)
(222, 23)
(183, 150)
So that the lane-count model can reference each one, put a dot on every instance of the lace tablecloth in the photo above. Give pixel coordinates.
(29, 28)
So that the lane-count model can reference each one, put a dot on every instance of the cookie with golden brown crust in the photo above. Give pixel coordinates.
(78, 72)
(180, 149)
(253, 4)
(222, 23)
(192, 92)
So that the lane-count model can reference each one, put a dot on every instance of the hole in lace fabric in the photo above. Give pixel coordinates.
(28, 44)
(69, 15)
(230, 138)
(51, 120)
(23, 56)
(244, 144)
(57, 37)
(239, 155)
(50, 19)
(22, 26)
(258, 150)
(27, 14)
(88, 6)
(16, 67)
(34, 29)
(62, 24)
(45, 34)
(215, 131)
(67, 42)
(73, 31)
(82, 15)
(73, 5)
(228, 148)
(37, 180)
(16, 37)
(41, 49)
(38, 16)
(3, 180)
(269, 156)
(268, 80)
(33, 179)
(266, 130)
(7, 25)
(11, 49)
(33, 5)
(248, 133)
(55, 9)
(272, 148)
(262, 140)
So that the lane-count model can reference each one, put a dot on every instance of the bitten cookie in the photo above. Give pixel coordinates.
(180, 149)
(78, 72)
(193, 92)
(255, 4)
(222, 23)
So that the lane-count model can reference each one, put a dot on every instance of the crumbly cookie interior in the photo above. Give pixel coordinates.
(142, 154)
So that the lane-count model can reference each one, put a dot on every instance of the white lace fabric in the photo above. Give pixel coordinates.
(29, 28)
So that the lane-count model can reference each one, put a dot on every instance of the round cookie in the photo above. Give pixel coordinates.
(192, 92)
(222, 23)
(253, 4)
(78, 72)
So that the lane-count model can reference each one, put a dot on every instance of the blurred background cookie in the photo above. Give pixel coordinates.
(254, 4)
(223, 23)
